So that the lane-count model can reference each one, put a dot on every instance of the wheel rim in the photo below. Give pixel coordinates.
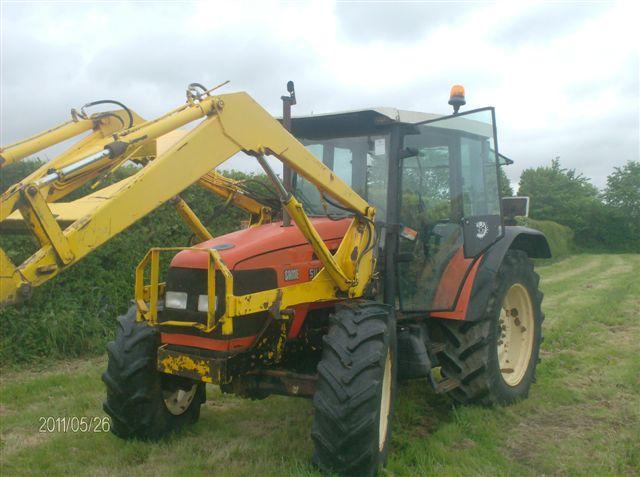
(516, 334)
(385, 403)
(178, 400)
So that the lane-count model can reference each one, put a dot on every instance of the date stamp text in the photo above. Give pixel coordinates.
(74, 424)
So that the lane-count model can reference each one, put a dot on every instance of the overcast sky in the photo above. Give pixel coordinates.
(564, 77)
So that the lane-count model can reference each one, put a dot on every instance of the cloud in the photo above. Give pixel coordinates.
(395, 22)
(537, 23)
(564, 78)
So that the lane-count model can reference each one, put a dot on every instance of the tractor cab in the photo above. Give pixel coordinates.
(433, 181)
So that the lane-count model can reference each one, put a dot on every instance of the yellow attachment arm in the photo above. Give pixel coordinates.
(191, 219)
(304, 224)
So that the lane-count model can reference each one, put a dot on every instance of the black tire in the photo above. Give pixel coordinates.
(349, 392)
(135, 399)
(470, 354)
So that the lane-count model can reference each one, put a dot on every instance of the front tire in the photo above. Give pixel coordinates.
(355, 391)
(493, 360)
(142, 402)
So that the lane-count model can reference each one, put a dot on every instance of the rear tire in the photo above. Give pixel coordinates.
(494, 359)
(355, 391)
(142, 402)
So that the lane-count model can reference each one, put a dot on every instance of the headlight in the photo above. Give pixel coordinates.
(175, 300)
(203, 303)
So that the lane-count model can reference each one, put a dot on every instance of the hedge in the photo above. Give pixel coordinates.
(560, 237)
(73, 314)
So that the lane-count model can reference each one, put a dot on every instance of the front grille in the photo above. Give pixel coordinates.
(193, 281)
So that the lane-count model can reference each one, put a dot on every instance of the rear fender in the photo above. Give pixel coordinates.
(531, 241)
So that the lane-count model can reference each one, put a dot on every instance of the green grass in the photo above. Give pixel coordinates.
(582, 417)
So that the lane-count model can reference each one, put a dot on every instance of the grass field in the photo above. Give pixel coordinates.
(582, 417)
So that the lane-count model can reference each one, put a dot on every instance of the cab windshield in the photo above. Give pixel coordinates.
(362, 162)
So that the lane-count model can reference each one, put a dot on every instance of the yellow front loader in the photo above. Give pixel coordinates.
(385, 257)
(233, 123)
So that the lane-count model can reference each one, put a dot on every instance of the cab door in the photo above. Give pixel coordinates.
(449, 207)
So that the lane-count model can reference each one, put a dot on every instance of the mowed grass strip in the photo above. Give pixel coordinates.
(582, 417)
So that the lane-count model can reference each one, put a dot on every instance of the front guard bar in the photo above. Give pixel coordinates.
(147, 295)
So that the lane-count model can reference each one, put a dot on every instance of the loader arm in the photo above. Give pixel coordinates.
(102, 125)
(19, 150)
(232, 123)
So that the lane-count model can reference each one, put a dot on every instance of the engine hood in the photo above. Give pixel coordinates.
(244, 244)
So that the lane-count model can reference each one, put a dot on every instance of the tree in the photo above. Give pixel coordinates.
(17, 171)
(622, 198)
(561, 195)
(623, 190)
(609, 221)
(504, 185)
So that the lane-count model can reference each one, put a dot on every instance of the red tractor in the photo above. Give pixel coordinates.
(453, 288)
(382, 255)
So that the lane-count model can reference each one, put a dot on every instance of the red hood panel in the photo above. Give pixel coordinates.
(254, 241)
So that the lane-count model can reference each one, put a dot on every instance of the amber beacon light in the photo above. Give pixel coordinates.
(456, 98)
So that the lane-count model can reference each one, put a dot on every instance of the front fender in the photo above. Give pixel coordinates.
(531, 241)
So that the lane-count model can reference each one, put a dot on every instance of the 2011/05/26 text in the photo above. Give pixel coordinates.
(74, 424)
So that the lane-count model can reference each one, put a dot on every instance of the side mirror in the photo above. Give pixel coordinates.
(408, 152)
(515, 207)
(291, 99)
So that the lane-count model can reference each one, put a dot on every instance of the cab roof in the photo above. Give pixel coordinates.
(356, 122)
(360, 122)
